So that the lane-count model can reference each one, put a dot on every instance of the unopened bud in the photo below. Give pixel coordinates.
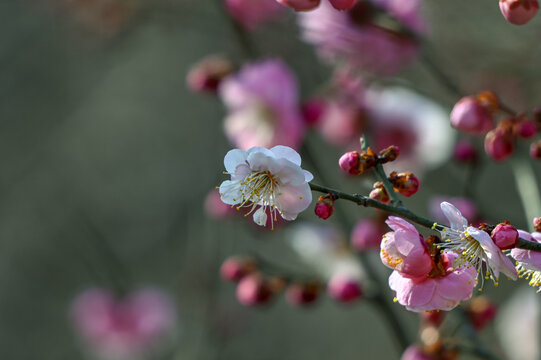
(356, 164)
(537, 224)
(343, 4)
(499, 143)
(470, 116)
(481, 312)
(519, 12)
(344, 289)
(434, 318)
(406, 183)
(235, 268)
(300, 5)
(465, 152)
(526, 128)
(325, 206)
(302, 294)
(379, 193)
(253, 290)
(505, 236)
(312, 111)
(389, 154)
(535, 150)
(205, 76)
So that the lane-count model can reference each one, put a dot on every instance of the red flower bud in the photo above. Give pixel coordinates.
(406, 183)
(302, 294)
(470, 116)
(500, 143)
(505, 236)
(325, 206)
(356, 164)
(465, 152)
(379, 193)
(235, 268)
(312, 111)
(205, 76)
(344, 289)
(535, 150)
(519, 12)
(481, 312)
(389, 154)
(434, 318)
(526, 128)
(253, 290)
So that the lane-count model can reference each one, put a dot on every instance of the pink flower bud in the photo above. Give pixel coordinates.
(253, 290)
(414, 353)
(465, 152)
(499, 143)
(235, 268)
(312, 111)
(349, 162)
(302, 294)
(470, 116)
(344, 289)
(505, 236)
(379, 193)
(535, 150)
(342, 4)
(519, 12)
(537, 224)
(300, 5)
(481, 312)
(526, 129)
(205, 76)
(367, 235)
(406, 183)
(325, 206)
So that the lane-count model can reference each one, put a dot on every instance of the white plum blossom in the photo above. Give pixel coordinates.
(268, 182)
(474, 246)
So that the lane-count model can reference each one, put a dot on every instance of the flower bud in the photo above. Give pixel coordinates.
(465, 152)
(481, 312)
(537, 224)
(505, 236)
(499, 143)
(367, 235)
(205, 75)
(434, 318)
(535, 150)
(344, 289)
(379, 193)
(253, 290)
(526, 128)
(349, 162)
(235, 268)
(406, 183)
(312, 111)
(300, 5)
(325, 206)
(519, 12)
(470, 116)
(343, 4)
(302, 294)
(389, 154)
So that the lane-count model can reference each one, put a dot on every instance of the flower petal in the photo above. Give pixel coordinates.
(293, 199)
(234, 158)
(497, 260)
(397, 223)
(260, 217)
(308, 176)
(456, 220)
(457, 285)
(287, 153)
(230, 192)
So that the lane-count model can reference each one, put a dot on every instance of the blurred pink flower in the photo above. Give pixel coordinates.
(442, 290)
(263, 104)
(253, 13)
(404, 249)
(413, 352)
(367, 235)
(123, 328)
(355, 37)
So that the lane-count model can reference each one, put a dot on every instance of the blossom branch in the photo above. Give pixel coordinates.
(405, 213)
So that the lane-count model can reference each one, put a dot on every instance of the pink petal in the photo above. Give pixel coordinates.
(294, 199)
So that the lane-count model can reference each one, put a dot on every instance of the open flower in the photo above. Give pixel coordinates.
(528, 261)
(443, 289)
(268, 182)
(475, 246)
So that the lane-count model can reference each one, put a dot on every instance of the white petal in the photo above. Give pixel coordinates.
(308, 176)
(288, 173)
(230, 192)
(261, 161)
(497, 260)
(294, 199)
(234, 158)
(456, 220)
(259, 149)
(260, 217)
(287, 153)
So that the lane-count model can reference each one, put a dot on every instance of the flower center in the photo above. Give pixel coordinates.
(533, 276)
(260, 188)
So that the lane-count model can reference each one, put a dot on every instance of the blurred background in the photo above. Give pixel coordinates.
(107, 159)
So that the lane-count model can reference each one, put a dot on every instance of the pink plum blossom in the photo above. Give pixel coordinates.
(475, 246)
(528, 261)
(442, 290)
(262, 100)
(263, 179)
(354, 35)
(253, 13)
(123, 328)
(404, 249)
